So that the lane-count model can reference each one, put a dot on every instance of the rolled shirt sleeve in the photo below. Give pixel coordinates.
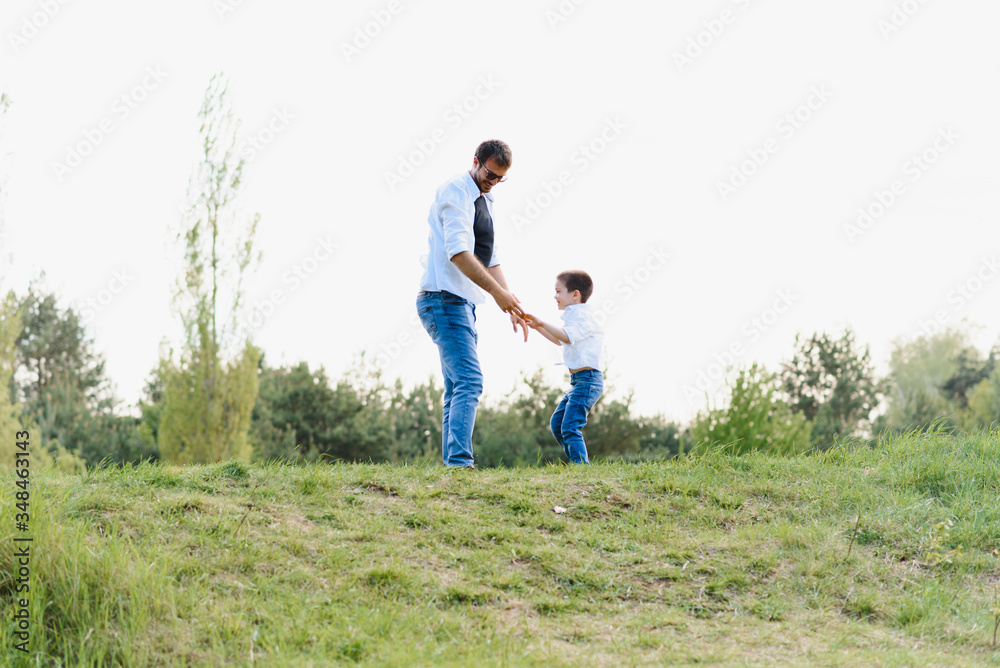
(451, 230)
(458, 235)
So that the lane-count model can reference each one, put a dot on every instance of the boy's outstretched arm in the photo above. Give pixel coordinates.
(554, 334)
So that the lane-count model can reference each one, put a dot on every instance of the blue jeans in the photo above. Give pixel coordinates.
(451, 322)
(568, 421)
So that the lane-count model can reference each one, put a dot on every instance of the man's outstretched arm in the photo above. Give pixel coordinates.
(497, 273)
(477, 273)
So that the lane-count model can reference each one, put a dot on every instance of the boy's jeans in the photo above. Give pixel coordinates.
(571, 415)
(451, 322)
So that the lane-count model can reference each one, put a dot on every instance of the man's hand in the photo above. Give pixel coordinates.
(515, 321)
(508, 302)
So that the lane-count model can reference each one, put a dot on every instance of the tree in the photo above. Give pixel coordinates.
(13, 421)
(919, 370)
(293, 418)
(983, 411)
(611, 429)
(982, 407)
(150, 409)
(60, 379)
(515, 431)
(971, 370)
(55, 354)
(363, 416)
(755, 417)
(210, 392)
(661, 439)
(63, 388)
(832, 384)
(416, 421)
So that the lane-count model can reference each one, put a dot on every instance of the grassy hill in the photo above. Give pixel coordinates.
(711, 560)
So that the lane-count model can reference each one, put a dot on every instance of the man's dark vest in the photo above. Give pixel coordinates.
(483, 229)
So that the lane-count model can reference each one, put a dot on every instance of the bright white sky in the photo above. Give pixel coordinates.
(881, 94)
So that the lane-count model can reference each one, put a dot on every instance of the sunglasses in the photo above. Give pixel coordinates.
(490, 176)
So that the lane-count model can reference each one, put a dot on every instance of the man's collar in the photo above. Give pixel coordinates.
(470, 184)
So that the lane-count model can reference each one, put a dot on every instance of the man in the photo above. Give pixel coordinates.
(461, 263)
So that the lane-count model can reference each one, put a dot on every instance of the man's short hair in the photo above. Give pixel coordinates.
(577, 280)
(496, 149)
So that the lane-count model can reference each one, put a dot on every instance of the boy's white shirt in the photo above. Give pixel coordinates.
(586, 346)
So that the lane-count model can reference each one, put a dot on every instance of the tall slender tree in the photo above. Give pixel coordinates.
(209, 393)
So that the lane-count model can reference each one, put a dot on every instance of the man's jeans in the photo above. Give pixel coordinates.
(451, 322)
(571, 415)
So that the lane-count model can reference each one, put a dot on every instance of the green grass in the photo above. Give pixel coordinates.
(713, 560)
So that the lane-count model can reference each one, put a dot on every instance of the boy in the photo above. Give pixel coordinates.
(582, 341)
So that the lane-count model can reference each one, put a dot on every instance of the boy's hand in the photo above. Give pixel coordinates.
(544, 329)
(532, 321)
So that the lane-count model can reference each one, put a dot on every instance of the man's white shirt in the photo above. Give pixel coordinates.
(586, 338)
(451, 221)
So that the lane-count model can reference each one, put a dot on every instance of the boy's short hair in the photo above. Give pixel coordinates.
(496, 149)
(575, 279)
